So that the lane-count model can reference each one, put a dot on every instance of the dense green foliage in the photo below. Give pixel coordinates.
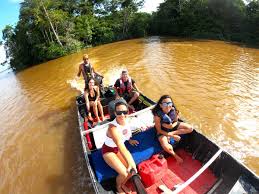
(214, 19)
(48, 29)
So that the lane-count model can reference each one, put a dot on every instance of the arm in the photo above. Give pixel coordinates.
(92, 70)
(158, 126)
(97, 94)
(159, 130)
(116, 85)
(116, 92)
(112, 132)
(135, 86)
(79, 71)
(87, 101)
(177, 115)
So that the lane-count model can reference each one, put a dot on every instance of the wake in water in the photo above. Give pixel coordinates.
(77, 84)
(112, 75)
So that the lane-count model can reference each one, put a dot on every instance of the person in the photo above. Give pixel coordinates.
(114, 151)
(85, 68)
(88, 71)
(126, 87)
(167, 125)
(92, 99)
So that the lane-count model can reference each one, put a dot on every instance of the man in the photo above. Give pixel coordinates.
(126, 87)
(87, 70)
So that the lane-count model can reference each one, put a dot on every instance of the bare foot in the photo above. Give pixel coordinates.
(90, 117)
(98, 120)
(179, 160)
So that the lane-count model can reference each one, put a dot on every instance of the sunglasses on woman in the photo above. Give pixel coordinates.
(166, 104)
(120, 112)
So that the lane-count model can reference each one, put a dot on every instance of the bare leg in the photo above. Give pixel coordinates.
(169, 148)
(100, 108)
(135, 97)
(114, 162)
(183, 128)
(123, 186)
(95, 110)
(88, 108)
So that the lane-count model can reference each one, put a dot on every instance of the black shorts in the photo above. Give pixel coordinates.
(173, 129)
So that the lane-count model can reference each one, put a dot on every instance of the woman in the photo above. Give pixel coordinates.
(115, 154)
(167, 124)
(92, 99)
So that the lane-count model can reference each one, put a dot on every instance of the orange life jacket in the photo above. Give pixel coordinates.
(123, 87)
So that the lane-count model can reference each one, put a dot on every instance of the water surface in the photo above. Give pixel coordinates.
(213, 83)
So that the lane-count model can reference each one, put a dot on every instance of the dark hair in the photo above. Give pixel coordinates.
(87, 85)
(157, 107)
(120, 103)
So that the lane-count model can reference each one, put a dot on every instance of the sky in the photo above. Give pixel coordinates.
(9, 14)
(151, 5)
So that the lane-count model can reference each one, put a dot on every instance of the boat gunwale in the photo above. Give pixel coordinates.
(244, 170)
(86, 152)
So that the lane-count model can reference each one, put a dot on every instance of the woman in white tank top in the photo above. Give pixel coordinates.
(115, 153)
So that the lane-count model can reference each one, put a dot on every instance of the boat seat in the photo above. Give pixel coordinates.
(148, 146)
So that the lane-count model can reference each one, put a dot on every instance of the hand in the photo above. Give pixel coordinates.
(132, 166)
(117, 97)
(177, 137)
(77, 78)
(133, 142)
(171, 134)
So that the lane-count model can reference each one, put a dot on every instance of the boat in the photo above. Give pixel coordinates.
(207, 168)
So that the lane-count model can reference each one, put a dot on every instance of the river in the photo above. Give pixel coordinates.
(214, 84)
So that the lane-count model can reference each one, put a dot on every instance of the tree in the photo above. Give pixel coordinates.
(49, 20)
(8, 37)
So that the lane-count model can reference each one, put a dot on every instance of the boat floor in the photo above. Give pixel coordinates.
(177, 174)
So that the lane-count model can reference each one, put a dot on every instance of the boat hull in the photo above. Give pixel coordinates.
(224, 175)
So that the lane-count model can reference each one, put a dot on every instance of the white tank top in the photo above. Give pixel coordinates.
(125, 132)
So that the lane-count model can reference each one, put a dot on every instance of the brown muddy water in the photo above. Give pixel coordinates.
(214, 84)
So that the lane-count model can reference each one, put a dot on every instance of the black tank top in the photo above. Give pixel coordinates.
(92, 98)
(87, 70)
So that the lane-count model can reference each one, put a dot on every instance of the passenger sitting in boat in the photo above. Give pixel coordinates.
(126, 87)
(92, 99)
(115, 154)
(86, 68)
(167, 124)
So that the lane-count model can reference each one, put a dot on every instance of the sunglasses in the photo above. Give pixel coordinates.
(124, 112)
(166, 104)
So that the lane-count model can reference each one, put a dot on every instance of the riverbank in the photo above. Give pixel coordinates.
(46, 31)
